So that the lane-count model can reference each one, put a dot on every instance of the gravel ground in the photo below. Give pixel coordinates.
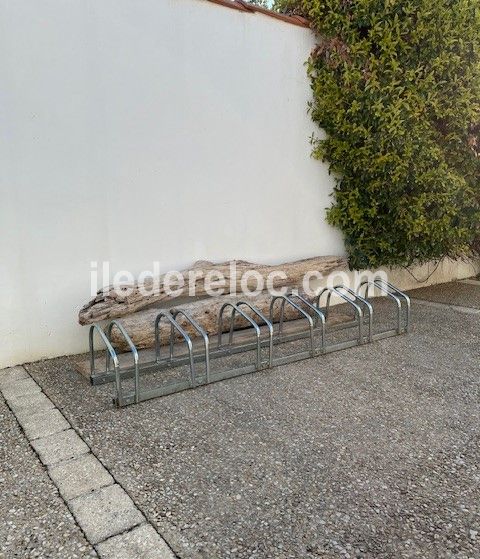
(35, 520)
(370, 452)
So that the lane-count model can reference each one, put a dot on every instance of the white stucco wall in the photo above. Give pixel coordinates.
(140, 130)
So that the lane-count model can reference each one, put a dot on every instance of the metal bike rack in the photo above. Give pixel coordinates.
(268, 325)
(319, 318)
(358, 321)
(368, 309)
(288, 299)
(258, 342)
(111, 353)
(133, 349)
(401, 300)
(266, 337)
(196, 326)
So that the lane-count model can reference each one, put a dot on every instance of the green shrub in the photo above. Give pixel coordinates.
(396, 88)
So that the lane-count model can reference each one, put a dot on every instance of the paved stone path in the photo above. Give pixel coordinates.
(107, 516)
(35, 522)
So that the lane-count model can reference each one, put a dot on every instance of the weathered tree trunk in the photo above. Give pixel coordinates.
(112, 303)
(140, 325)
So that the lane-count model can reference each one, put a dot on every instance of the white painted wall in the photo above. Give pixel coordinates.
(142, 130)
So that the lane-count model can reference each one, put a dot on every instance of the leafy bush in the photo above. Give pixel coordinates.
(396, 87)
(262, 3)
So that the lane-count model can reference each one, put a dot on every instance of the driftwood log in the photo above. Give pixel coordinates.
(140, 325)
(112, 303)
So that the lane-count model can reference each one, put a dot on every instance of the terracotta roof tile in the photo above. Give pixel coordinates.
(243, 6)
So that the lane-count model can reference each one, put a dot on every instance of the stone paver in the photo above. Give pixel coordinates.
(43, 424)
(60, 446)
(79, 476)
(34, 520)
(25, 406)
(141, 542)
(19, 388)
(12, 374)
(105, 512)
(99, 505)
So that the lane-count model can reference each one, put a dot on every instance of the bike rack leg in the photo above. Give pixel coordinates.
(402, 295)
(285, 300)
(318, 314)
(268, 324)
(393, 293)
(364, 302)
(202, 333)
(174, 326)
(358, 311)
(236, 309)
(110, 354)
(133, 349)
(392, 296)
